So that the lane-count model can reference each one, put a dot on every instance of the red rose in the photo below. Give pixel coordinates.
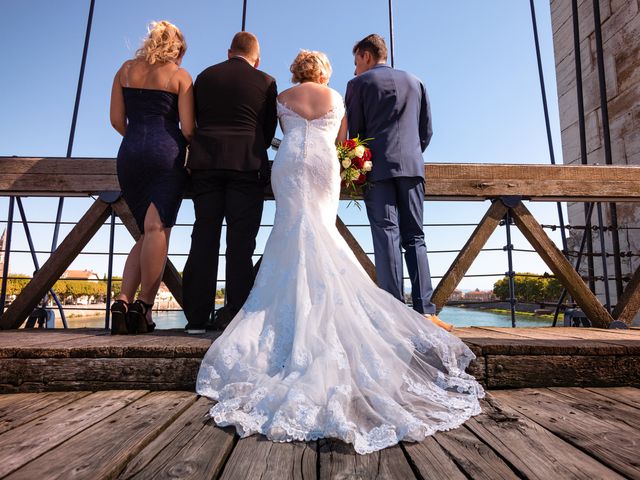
(367, 155)
(357, 162)
(361, 179)
(350, 144)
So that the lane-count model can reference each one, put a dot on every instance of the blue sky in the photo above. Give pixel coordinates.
(477, 60)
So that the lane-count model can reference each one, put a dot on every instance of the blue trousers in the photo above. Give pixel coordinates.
(395, 210)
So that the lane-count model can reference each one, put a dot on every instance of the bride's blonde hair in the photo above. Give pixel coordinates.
(310, 66)
(165, 43)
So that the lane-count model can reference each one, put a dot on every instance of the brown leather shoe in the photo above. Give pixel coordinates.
(434, 318)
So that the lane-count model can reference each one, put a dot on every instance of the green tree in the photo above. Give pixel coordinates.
(529, 288)
(17, 283)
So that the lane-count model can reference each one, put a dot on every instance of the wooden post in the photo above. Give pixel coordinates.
(357, 250)
(556, 261)
(629, 302)
(468, 254)
(171, 276)
(57, 263)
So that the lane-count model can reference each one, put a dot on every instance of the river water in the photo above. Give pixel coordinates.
(460, 317)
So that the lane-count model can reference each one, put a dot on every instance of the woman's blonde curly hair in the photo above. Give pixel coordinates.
(165, 43)
(310, 66)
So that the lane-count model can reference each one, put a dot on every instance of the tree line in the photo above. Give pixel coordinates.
(529, 288)
(74, 289)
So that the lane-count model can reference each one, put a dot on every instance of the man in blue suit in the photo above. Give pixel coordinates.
(392, 107)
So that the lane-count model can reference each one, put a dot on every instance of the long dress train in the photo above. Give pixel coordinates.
(318, 350)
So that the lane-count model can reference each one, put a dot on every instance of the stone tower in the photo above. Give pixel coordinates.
(620, 26)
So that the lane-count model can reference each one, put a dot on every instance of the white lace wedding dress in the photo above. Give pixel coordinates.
(318, 350)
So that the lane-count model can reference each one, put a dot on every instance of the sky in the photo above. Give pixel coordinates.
(477, 60)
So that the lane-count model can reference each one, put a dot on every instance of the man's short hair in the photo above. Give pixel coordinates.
(246, 44)
(374, 44)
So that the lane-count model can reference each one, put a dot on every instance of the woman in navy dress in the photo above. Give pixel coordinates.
(152, 107)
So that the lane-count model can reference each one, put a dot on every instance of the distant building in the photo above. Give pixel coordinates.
(457, 295)
(478, 295)
(164, 294)
(81, 275)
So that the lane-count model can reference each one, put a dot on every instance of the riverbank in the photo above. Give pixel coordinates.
(459, 317)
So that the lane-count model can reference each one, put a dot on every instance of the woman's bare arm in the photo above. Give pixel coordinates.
(117, 112)
(186, 105)
(342, 132)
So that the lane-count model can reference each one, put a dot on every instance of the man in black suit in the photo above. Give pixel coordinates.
(236, 121)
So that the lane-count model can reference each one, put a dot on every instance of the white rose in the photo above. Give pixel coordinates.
(359, 151)
(346, 163)
(367, 166)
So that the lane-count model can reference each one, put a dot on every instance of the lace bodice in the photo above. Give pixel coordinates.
(318, 350)
(306, 166)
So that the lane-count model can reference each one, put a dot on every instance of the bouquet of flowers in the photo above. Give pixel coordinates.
(355, 162)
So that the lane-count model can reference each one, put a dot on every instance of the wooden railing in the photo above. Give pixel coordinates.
(506, 185)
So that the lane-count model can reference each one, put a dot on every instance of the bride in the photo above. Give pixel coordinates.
(318, 350)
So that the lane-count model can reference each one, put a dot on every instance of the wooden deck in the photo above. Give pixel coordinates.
(545, 434)
(83, 359)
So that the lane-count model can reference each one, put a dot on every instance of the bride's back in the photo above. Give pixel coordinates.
(309, 100)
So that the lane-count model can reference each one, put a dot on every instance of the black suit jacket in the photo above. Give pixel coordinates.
(236, 118)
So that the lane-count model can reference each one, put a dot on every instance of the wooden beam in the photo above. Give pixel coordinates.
(468, 181)
(171, 276)
(468, 254)
(556, 261)
(357, 250)
(57, 263)
(629, 302)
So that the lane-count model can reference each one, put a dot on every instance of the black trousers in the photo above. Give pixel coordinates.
(220, 194)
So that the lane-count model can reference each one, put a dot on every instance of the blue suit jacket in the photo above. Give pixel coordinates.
(392, 107)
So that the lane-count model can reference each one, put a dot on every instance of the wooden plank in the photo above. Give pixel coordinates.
(58, 166)
(257, 457)
(18, 411)
(563, 343)
(67, 185)
(472, 456)
(99, 343)
(627, 395)
(171, 277)
(610, 441)
(519, 371)
(430, 460)
(357, 250)
(630, 344)
(55, 374)
(629, 303)
(103, 450)
(600, 406)
(32, 440)
(468, 254)
(81, 176)
(535, 453)
(556, 261)
(12, 342)
(192, 447)
(339, 460)
(510, 341)
(57, 263)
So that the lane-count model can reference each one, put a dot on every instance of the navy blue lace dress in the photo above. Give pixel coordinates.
(151, 156)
